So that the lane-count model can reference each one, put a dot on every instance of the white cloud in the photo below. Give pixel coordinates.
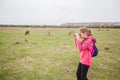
(58, 11)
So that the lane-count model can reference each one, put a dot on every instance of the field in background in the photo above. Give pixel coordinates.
(44, 56)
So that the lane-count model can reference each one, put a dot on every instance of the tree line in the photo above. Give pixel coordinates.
(61, 26)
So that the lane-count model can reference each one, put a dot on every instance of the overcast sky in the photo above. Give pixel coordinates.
(58, 11)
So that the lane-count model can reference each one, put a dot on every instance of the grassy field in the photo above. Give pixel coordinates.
(39, 56)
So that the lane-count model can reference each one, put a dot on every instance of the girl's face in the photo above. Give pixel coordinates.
(83, 35)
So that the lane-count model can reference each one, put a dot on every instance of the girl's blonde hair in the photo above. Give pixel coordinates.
(87, 31)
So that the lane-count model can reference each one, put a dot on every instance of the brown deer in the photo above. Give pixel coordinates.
(71, 33)
(27, 33)
(48, 33)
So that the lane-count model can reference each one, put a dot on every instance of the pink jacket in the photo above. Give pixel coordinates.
(85, 48)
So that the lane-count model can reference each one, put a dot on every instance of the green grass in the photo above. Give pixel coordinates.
(55, 57)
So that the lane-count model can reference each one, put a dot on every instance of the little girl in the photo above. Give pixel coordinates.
(85, 48)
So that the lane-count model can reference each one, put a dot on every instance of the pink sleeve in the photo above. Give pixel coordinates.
(85, 44)
(82, 45)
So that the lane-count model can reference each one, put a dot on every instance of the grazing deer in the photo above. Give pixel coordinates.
(27, 33)
(71, 32)
(48, 33)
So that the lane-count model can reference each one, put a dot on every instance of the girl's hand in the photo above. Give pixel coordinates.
(77, 35)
